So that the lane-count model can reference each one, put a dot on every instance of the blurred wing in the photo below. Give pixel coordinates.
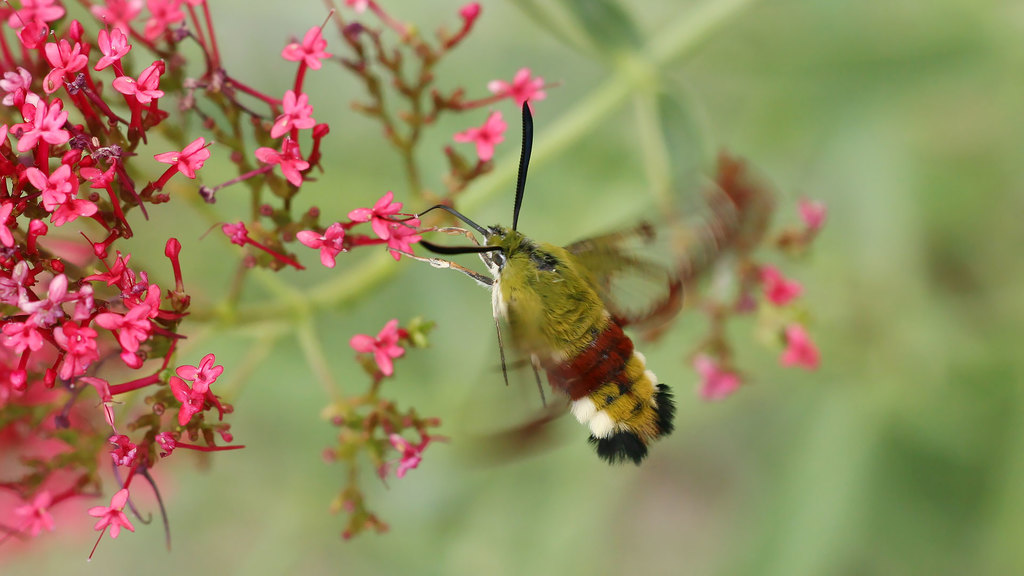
(642, 272)
(633, 277)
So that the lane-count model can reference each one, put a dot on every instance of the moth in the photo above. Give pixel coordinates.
(560, 309)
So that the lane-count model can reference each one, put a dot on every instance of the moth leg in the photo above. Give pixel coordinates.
(501, 350)
(447, 264)
(454, 231)
(536, 374)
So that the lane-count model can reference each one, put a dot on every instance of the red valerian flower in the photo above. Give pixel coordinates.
(42, 122)
(522, 89)
(114, 45)
(56, 189)
(777, 289)
(384, 347)
(124, 450)
(167, 443)
(79, 344)
(289, 158)
(35, 10)
(191, 398)
(401, 237)
(715, 383)
(379, 216)
(486, 137)
(36, 514)
(331, 243)
(310, 51)
(112, 516)
(118, 14)
(412, 454)
(238, 233)
(812, 213)
(16, 84)
(6, 238)
(204, 375)
(800, 350)
(163, 13)
(66, 60)
(21, 336)
(297, 114)
(190, 159)
(146, 88)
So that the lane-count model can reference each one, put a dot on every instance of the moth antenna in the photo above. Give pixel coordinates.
(524, 162)
(458, 215)
(450, 250)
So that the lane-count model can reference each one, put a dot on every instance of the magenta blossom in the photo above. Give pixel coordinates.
(42, 122)
(486, 137)
(190, 159)
(800, 350)
(384, 347)
(812, 213)
(146, 88)
(523, 88)
(715, 383)
(36, 514)
(112, 516)
(777, 289)
(114, 45)
(331, 243)
(310, 51)
(204, 375)
(297, 114)
(379, 216)
(289, 158)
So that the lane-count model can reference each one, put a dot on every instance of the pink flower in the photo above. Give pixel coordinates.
(167, 443)
(145, 89)
(384, 347)
(79, 344)
(204, 375)
(191, 398)
(310, 51)
(358, 5)
(297, 114)
(486, 136)
(331, 243)
(57, 189)
(777, 289)
(65, 59)
(112, 515)
(401, 236)
(289, 158)
(36, 514)
(72, 209)
(379, 216)
(812, 213)
(114, 45)
(47, 311)
(163, 13)
(42, 123)
(522, 89)
(132, 328)
(190, 159)
(412, 454)
(124, 450)
(6, 238)
(715, 383)
(469, 13)
(118, 14)
(21, 336)
(800, 351)
(238, 233)
(35, 10)
(16, 84)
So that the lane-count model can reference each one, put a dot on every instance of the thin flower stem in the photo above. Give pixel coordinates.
(309, 342)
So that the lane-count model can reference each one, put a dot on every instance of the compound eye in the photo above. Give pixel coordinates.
(498, 257)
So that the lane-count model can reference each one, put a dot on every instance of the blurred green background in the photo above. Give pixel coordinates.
(903, 454)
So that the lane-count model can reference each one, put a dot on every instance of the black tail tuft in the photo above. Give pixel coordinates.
(666, 410)
(620, 447)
